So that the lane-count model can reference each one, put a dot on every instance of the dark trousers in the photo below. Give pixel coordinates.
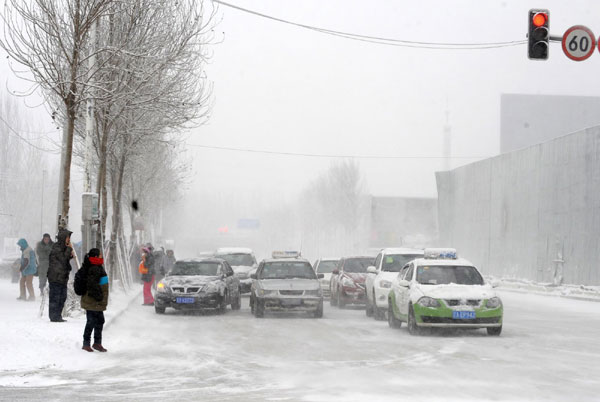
(95, 322)
(58, 296)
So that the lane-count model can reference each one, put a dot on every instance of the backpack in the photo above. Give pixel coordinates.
(80, 282)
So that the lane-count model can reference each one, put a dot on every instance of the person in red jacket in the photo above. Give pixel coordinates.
(147, 271)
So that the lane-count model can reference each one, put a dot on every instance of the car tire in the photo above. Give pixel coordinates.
(494, 331)
(223, 304)
(413, 329)
(159, 310)
(236, 303)
(341, 303)
(393, 322)
(259, 309)
(369, 308)
(319, 311)
(332, 299)
(378, 314)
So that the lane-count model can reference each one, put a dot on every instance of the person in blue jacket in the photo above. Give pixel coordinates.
(28, 270)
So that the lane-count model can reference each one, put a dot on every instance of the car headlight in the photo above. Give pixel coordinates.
(430, 302)
(348, 282)
(385, 284)
(161, 287)
(494, 302)
(211, 287)
(266, 292)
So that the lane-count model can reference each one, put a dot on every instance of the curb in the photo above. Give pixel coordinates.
(134, 296)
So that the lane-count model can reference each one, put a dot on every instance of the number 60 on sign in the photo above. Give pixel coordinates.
(578, 43)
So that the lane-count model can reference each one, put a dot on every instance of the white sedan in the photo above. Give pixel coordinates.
(379, 280)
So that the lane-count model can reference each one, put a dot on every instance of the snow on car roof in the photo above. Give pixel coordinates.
(233, 250)
(402, 250)
(454, 262)
(329, 259)
(286, 260)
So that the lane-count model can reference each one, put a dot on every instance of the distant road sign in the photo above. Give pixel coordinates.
(248, 223)
(578, 43)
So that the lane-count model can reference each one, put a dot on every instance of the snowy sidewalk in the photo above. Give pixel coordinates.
(30, 342)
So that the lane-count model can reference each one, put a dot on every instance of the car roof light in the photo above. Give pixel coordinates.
(440, 253)
(286, 254)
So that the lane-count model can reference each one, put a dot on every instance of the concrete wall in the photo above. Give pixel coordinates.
(521, 213)
(526, 120)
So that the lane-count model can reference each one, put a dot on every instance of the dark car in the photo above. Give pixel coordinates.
(348, 281)
(198, 284)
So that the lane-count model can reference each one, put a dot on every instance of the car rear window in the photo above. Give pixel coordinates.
(326, 267)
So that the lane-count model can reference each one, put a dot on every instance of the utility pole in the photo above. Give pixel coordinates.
(89, 200)
(42, 211)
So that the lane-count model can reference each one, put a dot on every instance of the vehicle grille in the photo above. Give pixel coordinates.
(449, 320)
(458, 302)
(185, 290)
(291, 292)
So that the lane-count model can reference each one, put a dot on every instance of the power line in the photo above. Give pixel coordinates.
(330, 156)
(25, 140)
(382, 40)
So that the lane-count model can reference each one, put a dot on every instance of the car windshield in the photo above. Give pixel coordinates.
(446, 274)
(358, 265)
(394, 263)
(238, 259)
(326, 267)
(204, 268)
(287, 270)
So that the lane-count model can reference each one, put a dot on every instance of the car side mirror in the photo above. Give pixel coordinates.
(230, 273)
(372, 270)
(320, 276)
(404, 283)
(335, 271)
(253, 276)
(495, 283)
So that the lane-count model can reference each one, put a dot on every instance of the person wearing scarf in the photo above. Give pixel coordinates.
(95, 300)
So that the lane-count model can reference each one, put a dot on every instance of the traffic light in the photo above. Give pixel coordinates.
(539, 34)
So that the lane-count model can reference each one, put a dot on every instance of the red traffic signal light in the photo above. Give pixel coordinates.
(538, 35)
(540, 19)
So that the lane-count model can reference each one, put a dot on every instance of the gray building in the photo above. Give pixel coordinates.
(400, 221)
(527, 120)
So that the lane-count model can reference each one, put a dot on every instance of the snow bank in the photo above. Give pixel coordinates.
(31, 343)
(580, 292)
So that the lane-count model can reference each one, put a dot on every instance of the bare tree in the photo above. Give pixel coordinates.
(49, 39)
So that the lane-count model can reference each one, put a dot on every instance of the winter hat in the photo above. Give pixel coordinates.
(94, 252)
(23, 244)
(47, 235)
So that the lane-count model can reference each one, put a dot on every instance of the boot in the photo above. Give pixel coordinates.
(21, 298)
(87, 348)
(99, 347)
(31, 298)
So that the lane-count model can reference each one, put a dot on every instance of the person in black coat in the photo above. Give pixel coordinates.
(59, 269)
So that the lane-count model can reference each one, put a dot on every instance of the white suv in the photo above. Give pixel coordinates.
(388, 263)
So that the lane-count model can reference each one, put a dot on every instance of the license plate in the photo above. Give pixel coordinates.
(185, 300)
(285, 302)
(463, 315)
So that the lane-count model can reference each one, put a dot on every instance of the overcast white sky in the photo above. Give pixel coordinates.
(283, 88)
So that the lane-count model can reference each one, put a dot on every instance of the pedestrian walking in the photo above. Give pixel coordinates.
(146, 268)
(28, 269)
(168, 261)
(42, 250)
(59, 268)
(95, 299)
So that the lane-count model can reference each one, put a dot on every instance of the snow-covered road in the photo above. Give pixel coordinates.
(549, 350)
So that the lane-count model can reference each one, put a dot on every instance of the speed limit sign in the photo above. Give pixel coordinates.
(578, 43)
